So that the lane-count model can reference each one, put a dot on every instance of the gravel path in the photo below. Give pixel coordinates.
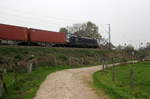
(70, 84)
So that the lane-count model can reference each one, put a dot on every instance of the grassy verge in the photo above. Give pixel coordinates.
(27, 83)
(120, 89)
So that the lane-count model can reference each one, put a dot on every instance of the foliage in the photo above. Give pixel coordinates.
(46, 56)
(119, 47)
(54, 56)
(88, 29)
(119, 89)
(148, 46)
(63, 30)
(129, 48)
(143, 53)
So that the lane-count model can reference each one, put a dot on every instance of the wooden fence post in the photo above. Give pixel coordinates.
(55, 61)
(29, 67)
(1, 85)
(15, 74)
(132, 78)
(106, 64)
(103, 64)
(113, 73)
(70, 60)
(82, 60)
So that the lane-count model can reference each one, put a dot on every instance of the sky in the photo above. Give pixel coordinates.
(129, 19)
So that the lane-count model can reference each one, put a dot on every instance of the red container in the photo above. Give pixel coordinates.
(37, 35)
(10, 32)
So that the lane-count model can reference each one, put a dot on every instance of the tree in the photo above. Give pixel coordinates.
(148, 45)
(63, 30)
(129, 48)
(88, 29)
(120, 47)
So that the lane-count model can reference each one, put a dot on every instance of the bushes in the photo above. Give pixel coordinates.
(56, 56)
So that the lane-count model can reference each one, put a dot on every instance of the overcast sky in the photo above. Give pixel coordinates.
(129, 19)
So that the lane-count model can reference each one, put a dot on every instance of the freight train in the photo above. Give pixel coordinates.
(10, 34)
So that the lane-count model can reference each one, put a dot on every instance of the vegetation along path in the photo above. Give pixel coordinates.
(70, 84)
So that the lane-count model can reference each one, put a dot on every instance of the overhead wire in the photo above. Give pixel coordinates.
(23, 21)
(29, 18)
(24, 16)
(45, 16)
(41, 22)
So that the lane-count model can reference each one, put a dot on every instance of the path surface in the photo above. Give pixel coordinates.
(70, 84)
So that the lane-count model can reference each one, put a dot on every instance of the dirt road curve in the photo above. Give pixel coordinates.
(70, 84)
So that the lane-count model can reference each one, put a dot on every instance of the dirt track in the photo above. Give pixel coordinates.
(70, 84)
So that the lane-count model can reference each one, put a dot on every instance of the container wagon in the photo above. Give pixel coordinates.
(47, 38)
(11, 34)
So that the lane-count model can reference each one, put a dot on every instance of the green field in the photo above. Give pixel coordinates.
(121, 87)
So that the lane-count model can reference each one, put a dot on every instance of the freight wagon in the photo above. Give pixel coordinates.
(13, 34)
(47, 38)
(10, 34)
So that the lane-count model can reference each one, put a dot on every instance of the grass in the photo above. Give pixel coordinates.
(120, 88)
(27, 83)
(46, 56)
(75, 57)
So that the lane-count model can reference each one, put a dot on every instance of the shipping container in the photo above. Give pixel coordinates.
(37, 35)
(10, 32)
